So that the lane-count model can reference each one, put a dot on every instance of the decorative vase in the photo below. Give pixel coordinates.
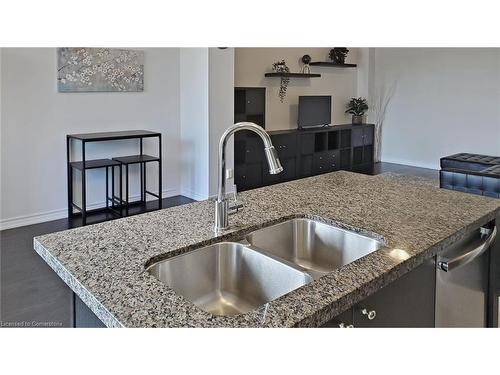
(357, 120)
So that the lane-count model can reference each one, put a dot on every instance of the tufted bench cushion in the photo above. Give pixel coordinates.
(471, 173)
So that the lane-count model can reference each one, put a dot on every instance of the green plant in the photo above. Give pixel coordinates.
(338, 55)
(280, 67)
(357, 106)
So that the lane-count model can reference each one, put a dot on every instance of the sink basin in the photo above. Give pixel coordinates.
(317, 247)
(228, 278)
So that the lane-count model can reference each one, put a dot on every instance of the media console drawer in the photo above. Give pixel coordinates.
(326, 162)
(285, 144)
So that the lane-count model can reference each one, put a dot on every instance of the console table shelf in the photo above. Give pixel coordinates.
(113, 136)
(94, 164)
(133, 159)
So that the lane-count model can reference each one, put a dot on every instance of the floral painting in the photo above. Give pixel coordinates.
(99, 69)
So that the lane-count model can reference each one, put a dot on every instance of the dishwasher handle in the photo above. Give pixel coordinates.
(450, 264)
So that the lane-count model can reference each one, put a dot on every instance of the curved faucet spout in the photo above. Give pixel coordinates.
(221, 205)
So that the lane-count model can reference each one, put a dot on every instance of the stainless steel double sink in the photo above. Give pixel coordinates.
(230, 278)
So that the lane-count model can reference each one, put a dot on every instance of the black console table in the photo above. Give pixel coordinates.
(303, 153)
(118, 203)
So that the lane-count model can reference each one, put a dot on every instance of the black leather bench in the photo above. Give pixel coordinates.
(471, 173)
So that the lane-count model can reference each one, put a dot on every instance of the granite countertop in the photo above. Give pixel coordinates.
(105, 263)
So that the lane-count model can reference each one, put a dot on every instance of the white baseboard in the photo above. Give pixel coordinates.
(192, 194)
(41, 217)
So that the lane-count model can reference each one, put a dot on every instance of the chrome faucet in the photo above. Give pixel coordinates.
(221, 204)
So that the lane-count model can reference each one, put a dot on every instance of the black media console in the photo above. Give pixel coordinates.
(303, 153)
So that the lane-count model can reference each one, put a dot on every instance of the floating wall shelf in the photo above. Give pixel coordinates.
(327, 63)
(293, 75)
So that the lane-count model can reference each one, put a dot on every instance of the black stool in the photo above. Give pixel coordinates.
(142, 160)
(95, 164)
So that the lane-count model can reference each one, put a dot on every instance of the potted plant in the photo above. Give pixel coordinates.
(357, 108)
(338, 55)
(281, 67)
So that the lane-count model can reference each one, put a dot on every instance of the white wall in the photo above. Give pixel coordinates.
(221, 103)
(1, 131)
(207, 100)
(194, 122)
(365, 71)
(341, 84)
(36, 119)
(447, 100)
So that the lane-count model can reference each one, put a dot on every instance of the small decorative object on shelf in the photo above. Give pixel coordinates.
(280, 67)
(306, 59)
(338, 55)
(357, 108)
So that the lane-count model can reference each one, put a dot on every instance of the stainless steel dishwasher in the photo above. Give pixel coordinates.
(462, 275)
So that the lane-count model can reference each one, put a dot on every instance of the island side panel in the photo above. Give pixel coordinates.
(84, 317)
(494, 295)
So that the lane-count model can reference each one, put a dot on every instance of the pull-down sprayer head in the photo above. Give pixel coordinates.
(273, 160)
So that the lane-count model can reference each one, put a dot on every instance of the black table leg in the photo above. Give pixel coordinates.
(159, 174)
(84, 203)
(107, 187)
(121, 190)
(70, 190)
(113, 186)
(142, 183)
(143, 172)
(84, 188)
(144, 165)
(126, 189)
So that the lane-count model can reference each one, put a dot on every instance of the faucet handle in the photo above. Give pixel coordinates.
(232, 196)
(234, 208)
(234, 193)
(234, 204)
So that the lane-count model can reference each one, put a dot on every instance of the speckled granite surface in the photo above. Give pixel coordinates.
(105, 263)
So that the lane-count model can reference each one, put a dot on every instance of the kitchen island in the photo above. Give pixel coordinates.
(105, 264)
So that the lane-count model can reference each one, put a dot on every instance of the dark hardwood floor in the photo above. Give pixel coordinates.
(33, 295)
(406, 170)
